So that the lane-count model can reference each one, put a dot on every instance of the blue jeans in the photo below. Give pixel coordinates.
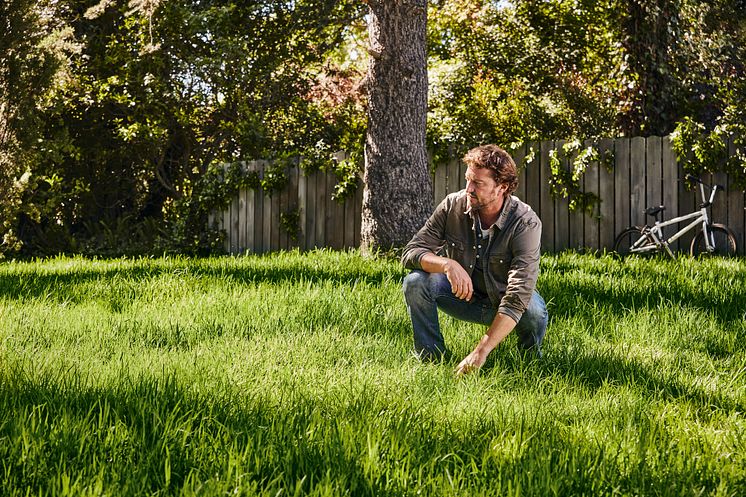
(426, 292)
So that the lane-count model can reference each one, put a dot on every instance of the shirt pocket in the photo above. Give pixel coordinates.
(454, 249)
(499, 266)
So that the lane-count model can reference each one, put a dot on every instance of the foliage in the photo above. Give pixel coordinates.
(521, 71)
(290, 222)
(721, 148)
(565, 181)
(154, 92)
(291, 374)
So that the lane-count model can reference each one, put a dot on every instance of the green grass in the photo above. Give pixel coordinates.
(291, 374)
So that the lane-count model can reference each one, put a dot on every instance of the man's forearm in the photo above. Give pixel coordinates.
(501, 327)
(432, 263)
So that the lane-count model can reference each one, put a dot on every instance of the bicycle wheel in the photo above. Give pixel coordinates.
(626, 239)
(725, 242)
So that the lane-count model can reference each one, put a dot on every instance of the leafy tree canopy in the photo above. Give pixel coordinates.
(113, 113)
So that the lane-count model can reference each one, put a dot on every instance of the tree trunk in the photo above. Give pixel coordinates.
(397, 199)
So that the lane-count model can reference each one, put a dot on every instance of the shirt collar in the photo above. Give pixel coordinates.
(508, 207)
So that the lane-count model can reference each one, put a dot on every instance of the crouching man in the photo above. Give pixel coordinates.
(477, 259)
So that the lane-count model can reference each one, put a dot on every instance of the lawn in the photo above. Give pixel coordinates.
(291, 374)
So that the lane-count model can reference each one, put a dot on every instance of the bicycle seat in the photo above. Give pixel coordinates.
(654, 211)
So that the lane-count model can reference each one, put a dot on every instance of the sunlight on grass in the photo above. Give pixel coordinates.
(293, 373)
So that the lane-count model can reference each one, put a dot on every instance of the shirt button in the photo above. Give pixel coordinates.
(501, 261)
(480, 246)
(475, 247)
(471, 266)
(477, 256)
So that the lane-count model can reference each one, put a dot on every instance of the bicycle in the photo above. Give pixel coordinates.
(712, 239)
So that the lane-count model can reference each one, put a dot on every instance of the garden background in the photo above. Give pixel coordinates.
(116, 116)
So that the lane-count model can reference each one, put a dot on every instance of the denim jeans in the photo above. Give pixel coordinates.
(426, 292)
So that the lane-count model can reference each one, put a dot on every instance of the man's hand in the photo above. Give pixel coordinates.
(459, 279)
(472, 362)
(501, 326)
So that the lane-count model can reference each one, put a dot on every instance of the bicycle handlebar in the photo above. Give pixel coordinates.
(691, 177)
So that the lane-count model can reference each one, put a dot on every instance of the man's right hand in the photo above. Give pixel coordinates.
(459, 279)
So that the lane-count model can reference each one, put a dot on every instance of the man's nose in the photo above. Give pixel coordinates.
(469, 186)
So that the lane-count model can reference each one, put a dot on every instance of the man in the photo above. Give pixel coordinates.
(488, 244)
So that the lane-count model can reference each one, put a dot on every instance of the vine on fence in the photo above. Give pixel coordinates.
(565, 181)
(321, 157)
(290, 222)
(699, 151)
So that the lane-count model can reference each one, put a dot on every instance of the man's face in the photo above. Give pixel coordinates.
(482, 189)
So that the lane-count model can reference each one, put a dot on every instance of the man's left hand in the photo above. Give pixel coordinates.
(471, 363)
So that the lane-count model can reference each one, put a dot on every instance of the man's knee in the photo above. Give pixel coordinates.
(415, 283)
(533, 324)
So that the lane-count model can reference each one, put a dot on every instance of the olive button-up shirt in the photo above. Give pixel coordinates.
(511, 266)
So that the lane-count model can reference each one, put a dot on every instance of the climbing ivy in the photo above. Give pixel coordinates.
(290, 222)
(700, 151)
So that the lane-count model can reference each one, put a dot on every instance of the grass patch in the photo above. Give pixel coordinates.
(291, 374)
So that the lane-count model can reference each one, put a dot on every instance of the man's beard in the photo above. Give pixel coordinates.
(476, 205)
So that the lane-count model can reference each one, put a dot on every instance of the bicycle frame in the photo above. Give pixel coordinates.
(652, 239)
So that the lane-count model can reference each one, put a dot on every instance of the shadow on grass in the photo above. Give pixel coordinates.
(575, 284)
(153, 434)
(592, 370)
(62, 286)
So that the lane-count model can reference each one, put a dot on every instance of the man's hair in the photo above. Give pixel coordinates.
(498, 161)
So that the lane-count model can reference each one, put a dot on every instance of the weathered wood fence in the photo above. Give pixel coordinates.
(644, 173)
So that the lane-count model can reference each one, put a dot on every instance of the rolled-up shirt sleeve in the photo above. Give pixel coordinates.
(428, 239)
(524, 268)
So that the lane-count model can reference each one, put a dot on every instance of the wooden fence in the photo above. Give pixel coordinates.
(644, 173)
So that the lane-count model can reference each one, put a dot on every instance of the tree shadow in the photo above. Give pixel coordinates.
(594, 370)
(60, 285)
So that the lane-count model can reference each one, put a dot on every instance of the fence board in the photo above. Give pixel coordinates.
(533, 180)
(637, 181)
(688, 203)
(736, 213)
(358, 212)
(453, 176)
(321, 211)
(243, 220)
(292, 206)
(519, 155)
(349, 207)
(561, 215)
(622, 218)
(232, 225)
(654, 185)
(267, 224)
(606, 194)
(225, 222)
(654, 178)
(336, 219)
(720, 206)
(258, 225)
(545, 207)
(577, 216)
(669, 173)
(590, 185)
(303, 210)
(439, 183)
(284, 208)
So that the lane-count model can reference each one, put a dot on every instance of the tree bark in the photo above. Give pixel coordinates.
(397, 199)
